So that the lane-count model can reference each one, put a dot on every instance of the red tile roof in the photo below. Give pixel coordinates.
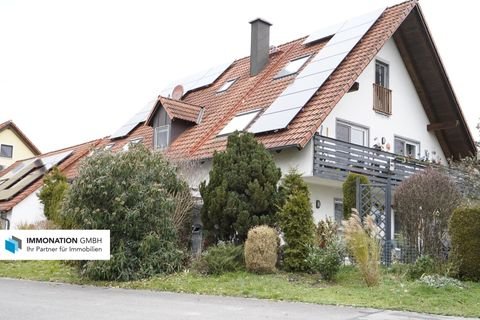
(10, 125)
(250, 93)
(177, 110)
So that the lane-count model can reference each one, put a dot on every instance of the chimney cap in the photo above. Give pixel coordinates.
(261, 20)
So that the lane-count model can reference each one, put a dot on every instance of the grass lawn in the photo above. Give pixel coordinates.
(394, 291)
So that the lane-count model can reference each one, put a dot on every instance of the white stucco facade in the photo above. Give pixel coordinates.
(28, 211)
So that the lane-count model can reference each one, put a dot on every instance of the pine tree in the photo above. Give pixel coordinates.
(296, 221)
(242, 189)
(52, 193)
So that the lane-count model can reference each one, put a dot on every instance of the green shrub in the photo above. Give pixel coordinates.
(326, 232)
(242, 190)
(221, 258)
(131, 194)
(296, 221)
(51, 195)
(326, 260)
(464, 229)
(438, 281)
(423, 266)
(261, 249)
(350, 192)
(363, 242)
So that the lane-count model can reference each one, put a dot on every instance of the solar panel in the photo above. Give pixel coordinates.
(314, 75)
(198, 80)
(323, 33)
(139, 117)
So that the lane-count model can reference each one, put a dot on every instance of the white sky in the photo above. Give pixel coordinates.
(72, 71)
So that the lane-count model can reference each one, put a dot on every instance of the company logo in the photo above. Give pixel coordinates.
(13, 244)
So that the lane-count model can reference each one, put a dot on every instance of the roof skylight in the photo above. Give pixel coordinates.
(292, 67)
(227, 85)
(239, 122)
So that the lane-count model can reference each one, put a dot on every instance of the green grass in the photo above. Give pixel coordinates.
(394, 291)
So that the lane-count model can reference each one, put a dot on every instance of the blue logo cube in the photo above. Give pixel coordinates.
(13, 244)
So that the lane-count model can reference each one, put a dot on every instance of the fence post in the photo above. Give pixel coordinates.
(388, 222)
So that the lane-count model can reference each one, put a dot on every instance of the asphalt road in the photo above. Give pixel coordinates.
(32, 300)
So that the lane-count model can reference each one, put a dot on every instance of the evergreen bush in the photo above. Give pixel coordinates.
(349, 188)
(242, 190)
(131, 194)
(464, 230)
(221, 258)
(55, 187)
(326, 260)
(261, 249)
(296, 222)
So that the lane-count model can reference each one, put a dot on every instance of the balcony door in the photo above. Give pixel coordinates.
(352, 133)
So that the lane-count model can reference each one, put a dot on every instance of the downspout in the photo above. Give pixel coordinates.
(3, 216)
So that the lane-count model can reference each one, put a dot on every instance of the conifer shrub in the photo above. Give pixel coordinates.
(296, 222)
(55, 187)
(242, 190)
(131, 194)
(261, 249)
(464, 230)
(349, 188)
(220, 258)
(326, 260)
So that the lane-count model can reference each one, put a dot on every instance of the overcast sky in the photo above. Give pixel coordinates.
(73, 71)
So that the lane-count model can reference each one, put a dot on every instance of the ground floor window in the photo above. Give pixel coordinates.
(338, 210)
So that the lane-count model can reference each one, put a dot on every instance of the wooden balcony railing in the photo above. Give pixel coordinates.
(334, 159)
(382, 99)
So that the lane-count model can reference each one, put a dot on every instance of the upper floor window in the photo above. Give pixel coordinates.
(227, 85)
(406, 147)
(161, 137)
(292, 67)
(352, 133)
(6, 151)
(381, 74)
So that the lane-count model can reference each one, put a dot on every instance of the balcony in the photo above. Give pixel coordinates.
(334, 159)
(382, 99)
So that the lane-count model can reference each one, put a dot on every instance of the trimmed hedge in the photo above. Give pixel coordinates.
(350, 192)
(261, 249)
(464, 229)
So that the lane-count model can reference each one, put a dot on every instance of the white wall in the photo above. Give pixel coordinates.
(292, 158)
(28, 211)
(408, 118)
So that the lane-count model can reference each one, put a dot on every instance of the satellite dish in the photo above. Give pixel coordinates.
(177, 92)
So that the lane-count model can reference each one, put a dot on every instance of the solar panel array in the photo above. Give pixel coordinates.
(197, 80)
(29, 171)
(139, 117)
(286, 106)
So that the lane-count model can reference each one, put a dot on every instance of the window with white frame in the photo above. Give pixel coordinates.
(240, 122)
(132, 143)
(161, 137)
(227, 85)
(352, 133)
(407, 147)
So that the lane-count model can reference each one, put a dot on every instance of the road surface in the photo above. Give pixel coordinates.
(31, 300)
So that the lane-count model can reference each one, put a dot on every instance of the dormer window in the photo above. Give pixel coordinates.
(161, 137)
(240, 122)
(292, 67)
(227, 85)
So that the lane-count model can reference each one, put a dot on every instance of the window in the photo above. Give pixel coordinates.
(227, 85)
(381, 74)
(132, 143)
(292, 67)
(352, 133)
(109, 146)
(338, 210)
(407, 147)
(239, 122)
(161, 137)
(6, 151)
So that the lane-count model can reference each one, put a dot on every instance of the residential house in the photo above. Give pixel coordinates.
(21, 182)
(369, 95)
(14, 145)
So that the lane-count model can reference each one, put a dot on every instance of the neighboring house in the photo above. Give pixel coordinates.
(14, 145)
(369, 96)
(21, 182)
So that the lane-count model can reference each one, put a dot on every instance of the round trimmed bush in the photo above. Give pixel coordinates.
(261, 249)
(464, 229)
